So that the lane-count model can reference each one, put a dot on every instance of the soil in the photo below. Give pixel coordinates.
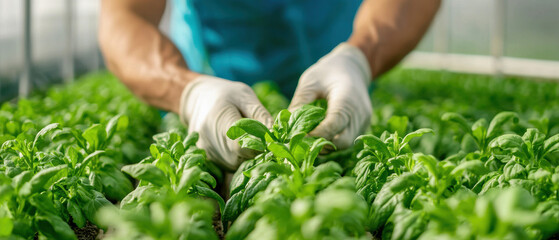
(88, 232)
(218, 225)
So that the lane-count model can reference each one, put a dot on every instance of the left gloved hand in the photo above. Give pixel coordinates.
(341, 77)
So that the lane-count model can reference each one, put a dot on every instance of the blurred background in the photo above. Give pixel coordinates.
(51, 41)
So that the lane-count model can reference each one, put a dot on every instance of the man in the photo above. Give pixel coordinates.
(229, 43)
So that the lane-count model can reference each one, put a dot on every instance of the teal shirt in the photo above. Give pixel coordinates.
(251, 41)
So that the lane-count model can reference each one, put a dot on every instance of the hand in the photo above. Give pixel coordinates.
(341, 77)
(210, 105)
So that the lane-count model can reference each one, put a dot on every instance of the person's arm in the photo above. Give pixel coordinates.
(384, 32)
(387, 30)
(144, 59)
(154, 69)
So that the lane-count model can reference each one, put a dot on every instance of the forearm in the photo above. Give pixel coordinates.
(387, 30)
(140, 55)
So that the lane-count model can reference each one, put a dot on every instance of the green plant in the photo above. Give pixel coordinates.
(170, 199)
(282, 193)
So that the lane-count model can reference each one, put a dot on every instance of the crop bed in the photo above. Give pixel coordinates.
(448, 156)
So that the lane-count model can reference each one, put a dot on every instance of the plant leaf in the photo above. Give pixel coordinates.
(249, 126)
(498, 121)
(147, 172)
(43, 132)
(374, 143)
(305, 119)
(76, 213)
(41, 180)
(417, 133)
(459, 119)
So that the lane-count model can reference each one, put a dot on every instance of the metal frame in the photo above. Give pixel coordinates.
(26, 76)
(68, 59)
(496, 64)
(482, 64)
(498, 36)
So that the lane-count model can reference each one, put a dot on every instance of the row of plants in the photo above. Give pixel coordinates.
(61, 154)
(506, 189)
(432, 166)
(171, 200)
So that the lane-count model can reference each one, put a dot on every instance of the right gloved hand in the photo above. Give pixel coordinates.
(210, 105)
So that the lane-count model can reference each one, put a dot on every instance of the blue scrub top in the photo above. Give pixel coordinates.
(255, 40)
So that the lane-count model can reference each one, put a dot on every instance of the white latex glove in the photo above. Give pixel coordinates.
(209, 106)
(341, 77)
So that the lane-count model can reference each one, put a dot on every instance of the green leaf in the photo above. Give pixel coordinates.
(44, 132)
(428, 161)
(417, 133)
(204, 191)
(20, 179)
(244, 224)
(316, 147)
(95, 137)
(117, 123)
(80, 140)
(305, 119)
(140, 194)
(457, 118)
(43, 203)
(115, 184)
(154, 151)
(498, 121)
(189, 177)
(208, 178)
(282, 120)
(238, 182)
(166, 164)
(270, 167)
(251, 142)
(325, 174)
(76, 213)
(534, 136)
(12, 127)
(53, 227)
(233, 207)
(339, 202)
(6, 192)
(94, 204)
(398, 124)
(190, 140)
(474, 166)
(88, 159)
(551, 144)
(514, 170)
(281, 151)
(148, 173)
(374, 143)
(42, 180)
(404, 181)
(249, 126)
(516, 205)
(407, 224)
(177, 150)
(382, 207)
(7, 226)
(298, 147)
(253, 187)
(192, 160)
(479, 129)
(508, 142)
